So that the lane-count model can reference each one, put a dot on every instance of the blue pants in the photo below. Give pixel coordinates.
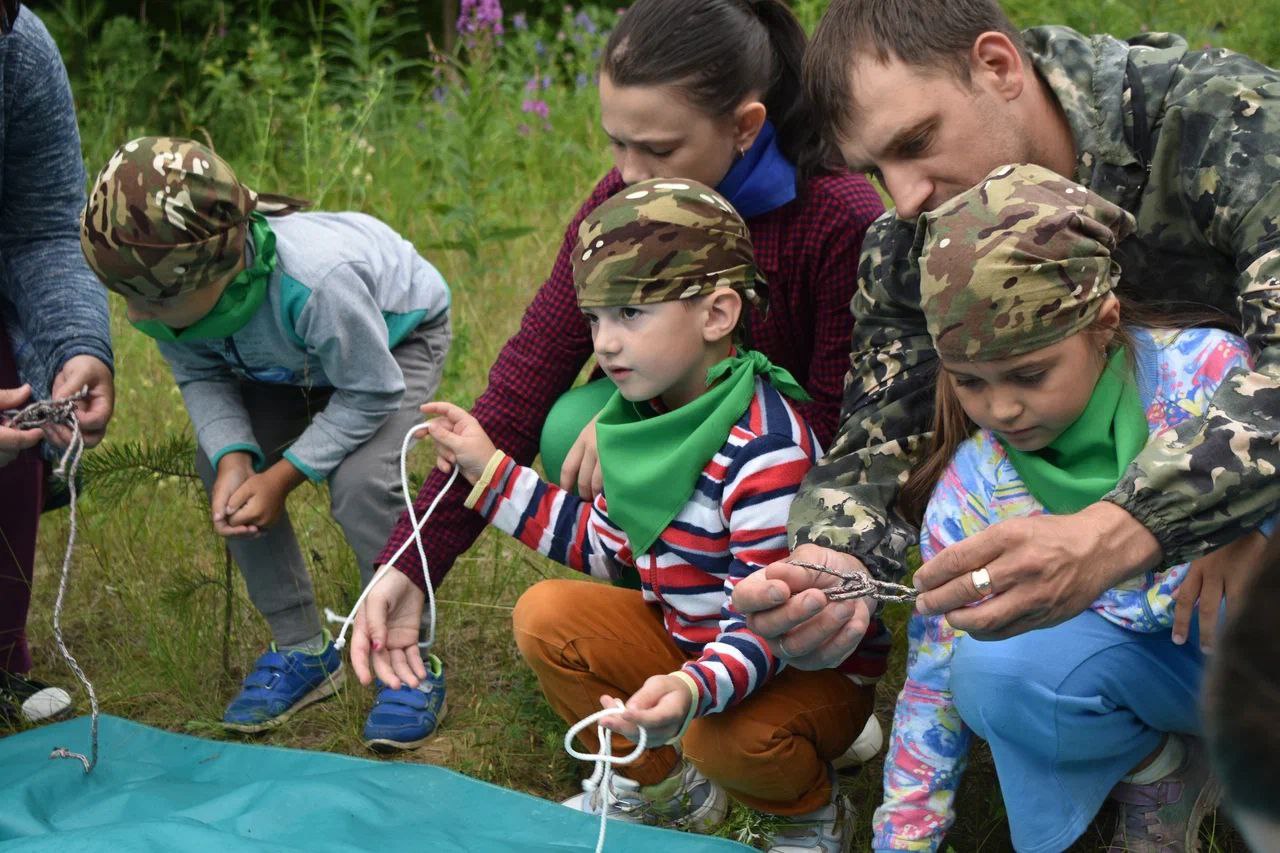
(1068, 711)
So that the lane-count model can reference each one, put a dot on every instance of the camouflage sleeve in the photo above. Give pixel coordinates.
(1216, 477)
(846, 501)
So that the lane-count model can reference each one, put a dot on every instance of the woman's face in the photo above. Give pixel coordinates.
(655, 132)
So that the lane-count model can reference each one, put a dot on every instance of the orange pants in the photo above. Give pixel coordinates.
(584, 639)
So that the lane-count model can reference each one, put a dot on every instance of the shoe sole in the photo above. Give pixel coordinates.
(384, 745)
(324, 690)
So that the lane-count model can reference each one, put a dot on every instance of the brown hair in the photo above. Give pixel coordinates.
(952, 427)
(1242, 696)
(936, 34)
(719, 52)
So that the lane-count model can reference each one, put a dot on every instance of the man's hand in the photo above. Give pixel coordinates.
(84, 371)
(660, 705)
(14, 441)
(460, 440)
(386, 633)
(785, 605)
(1044, 570)
(1216, 578)
(260, 499)
(581, 469)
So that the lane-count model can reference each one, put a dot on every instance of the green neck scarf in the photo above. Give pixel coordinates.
(651, 460)
(1087, 460)
(241, 298)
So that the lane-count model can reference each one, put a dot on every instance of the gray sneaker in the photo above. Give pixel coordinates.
(685, 800)
(1165, 816)
(823, 830)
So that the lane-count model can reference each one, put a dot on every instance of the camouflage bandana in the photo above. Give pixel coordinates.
(1019, 262)
(167, 216)
(662, 240)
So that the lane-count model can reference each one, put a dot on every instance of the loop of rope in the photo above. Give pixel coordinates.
(62, 412)
(604, 760)
(415, 538)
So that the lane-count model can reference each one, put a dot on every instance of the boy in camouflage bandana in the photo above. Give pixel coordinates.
(701, 453)
(1043, 401)
(303, 345)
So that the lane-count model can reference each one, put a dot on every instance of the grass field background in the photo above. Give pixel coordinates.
(480, 158)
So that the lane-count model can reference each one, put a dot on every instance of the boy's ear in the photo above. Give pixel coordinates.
(1108, 320)
(722, 309)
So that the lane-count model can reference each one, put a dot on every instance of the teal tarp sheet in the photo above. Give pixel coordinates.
(154, 790)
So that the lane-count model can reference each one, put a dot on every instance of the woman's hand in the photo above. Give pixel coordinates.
(384, 640)
(660, 705)
(14, 441)
(93, 412)
(581, 468)
(460, 440)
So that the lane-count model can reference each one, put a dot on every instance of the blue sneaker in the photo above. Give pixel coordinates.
(281, 684)
(407, 718)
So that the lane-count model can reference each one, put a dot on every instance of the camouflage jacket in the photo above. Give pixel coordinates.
(1185, 140)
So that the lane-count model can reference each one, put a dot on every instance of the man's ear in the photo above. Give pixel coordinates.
(748, 118)
(721, 310)
(996, 64)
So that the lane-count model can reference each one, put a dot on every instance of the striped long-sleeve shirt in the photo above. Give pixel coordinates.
(734, 523)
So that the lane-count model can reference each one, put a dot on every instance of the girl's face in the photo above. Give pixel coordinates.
(655, 132)
(1030, 399)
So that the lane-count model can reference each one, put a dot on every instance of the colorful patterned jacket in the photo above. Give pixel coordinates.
(1178, 375)
(734, 524)
(1182, 139)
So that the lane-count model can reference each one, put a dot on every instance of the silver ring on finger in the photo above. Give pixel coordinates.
(981, 581)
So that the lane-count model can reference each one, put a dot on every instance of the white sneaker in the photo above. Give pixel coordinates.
(824, 829)
(685, 800)
(866, 747)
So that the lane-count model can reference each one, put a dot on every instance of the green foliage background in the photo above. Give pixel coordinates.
(351, 104)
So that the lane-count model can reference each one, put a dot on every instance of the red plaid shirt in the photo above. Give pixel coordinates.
(808, 252)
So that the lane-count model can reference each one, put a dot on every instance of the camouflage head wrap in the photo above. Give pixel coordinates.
(167, 216)
(1019, 262)
(662, 240)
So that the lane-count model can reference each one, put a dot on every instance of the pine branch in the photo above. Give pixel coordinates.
(111, 472)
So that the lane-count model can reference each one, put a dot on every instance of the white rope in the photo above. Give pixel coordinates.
(415, 538)
(604, 760)
(63, 412)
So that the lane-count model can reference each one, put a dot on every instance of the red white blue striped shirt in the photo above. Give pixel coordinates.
(734, 523)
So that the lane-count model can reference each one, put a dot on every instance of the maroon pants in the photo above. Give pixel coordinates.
(21, 485)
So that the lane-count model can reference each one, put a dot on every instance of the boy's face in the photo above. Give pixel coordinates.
(1030, 399)
(176, 312)
(654, 350)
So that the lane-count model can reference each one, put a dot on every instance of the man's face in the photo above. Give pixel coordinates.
(926, 134)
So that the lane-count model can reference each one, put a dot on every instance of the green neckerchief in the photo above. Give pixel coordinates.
(651, 460)
(1087, 460)
(242, 297)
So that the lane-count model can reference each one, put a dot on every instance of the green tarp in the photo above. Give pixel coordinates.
(154, 790)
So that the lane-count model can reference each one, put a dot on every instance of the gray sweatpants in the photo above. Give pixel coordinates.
(365, 496)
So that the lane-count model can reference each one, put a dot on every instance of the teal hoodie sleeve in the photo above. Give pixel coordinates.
(341, 325)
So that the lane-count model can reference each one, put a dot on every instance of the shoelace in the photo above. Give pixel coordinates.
(415, 538)
(62, 412)
(604, 760)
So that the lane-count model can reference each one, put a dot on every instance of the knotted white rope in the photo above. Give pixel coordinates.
(63, 412)
(415, 538)
(604, 760)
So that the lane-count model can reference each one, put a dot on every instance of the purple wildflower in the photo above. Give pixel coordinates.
(539, 108)
(480, 16)
(583, 21)
(581, 81)
(520, 22)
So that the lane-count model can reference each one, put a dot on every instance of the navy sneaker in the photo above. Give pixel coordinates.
(407, 718)
(281, 684)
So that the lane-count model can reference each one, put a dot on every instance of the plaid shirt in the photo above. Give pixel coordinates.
(808, 252)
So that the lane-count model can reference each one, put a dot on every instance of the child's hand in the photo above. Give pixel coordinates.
(1221, 575)
(660, 705)
(259, 501)
(460, 440)
(384, 640)
(233, 470)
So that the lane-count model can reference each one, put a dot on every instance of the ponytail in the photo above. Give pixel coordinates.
(718, 53)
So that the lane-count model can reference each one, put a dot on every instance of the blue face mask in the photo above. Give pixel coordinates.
(763, 179)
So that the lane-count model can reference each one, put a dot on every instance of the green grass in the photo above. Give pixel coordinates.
(484, 189)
